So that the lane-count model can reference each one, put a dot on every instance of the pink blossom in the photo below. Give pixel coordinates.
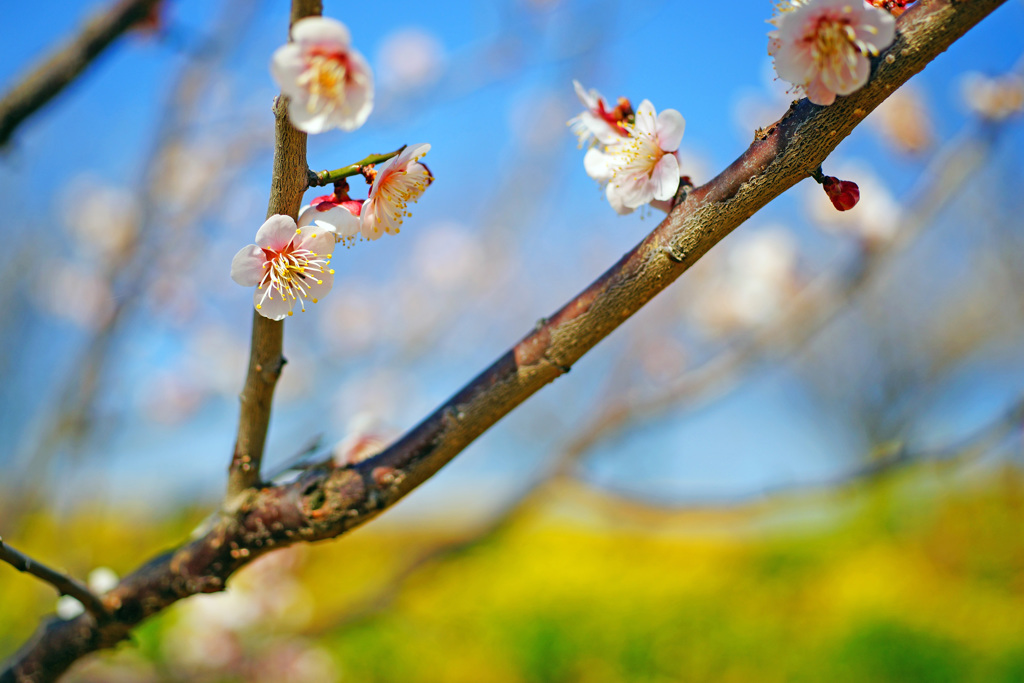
(823, 46)
(327, 213)
(328, 83)
(598, 124)
(644, 166)
(286, 265)
(401, 181)
(844, 194)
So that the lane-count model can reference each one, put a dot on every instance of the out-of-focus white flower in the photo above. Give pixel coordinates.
(993, 98)
(102, 579)
(68, 607)
(598, 124)
(401, 181)
(874, 220)
(904, 120)
(286, 265)
(365, 438)
(644, 166)
(753, 285)
(410, 58)
(103, 219)
(327, 213)
(823, 46)
(76, 294)
(328, 83)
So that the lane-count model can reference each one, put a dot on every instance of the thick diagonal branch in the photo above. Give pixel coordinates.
(62, 67)
(326, 502)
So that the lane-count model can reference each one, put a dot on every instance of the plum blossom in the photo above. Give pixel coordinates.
(822, 46)
(644, 166)
(402, 180)
(329, 213)
(327, 82)
(597, 125)
(844, 194)
(286, 265)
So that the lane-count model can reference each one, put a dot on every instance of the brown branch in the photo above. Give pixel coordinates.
(62, 67)
(288, 184)
(325, 502)
(65, 585)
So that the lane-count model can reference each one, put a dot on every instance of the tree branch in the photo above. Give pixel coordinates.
(325, 502)
(65, 585)
(62, 67)
(327, 177)
(265, 359)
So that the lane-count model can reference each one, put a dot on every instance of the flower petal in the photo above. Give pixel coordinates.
(646, 119)
(615, 199)
(248, 266)
(318, 285)
(598, 165)
(321, 30)
(272, 305)
(671, 125)
(276, 232)
(320, 242)
(666, 177)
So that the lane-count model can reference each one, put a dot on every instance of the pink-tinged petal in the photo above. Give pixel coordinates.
(615, 199)
(671, 125)
(309, 122)
(662, 205)
(286, 65)
(635, 190)
(587, 99)
(318, 285)
(320, 242)
(248, 266)
(646, 119)
(877, 28)
(665, 178)
(320, 31)
(359, 94)
(276, 232)
(276, 308)
(851, 80)
(793, 63)
(415, 152)
(370, 227)
(819, 94)
(338, 220)
(598, 165)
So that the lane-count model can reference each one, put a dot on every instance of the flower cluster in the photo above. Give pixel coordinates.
(328, 85)
(634, 155)
(823, 47)
(400, 182)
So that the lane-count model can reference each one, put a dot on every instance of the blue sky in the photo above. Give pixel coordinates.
(506, 65)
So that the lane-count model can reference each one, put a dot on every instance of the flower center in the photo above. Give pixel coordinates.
(396, 191)
(324, 78)
(638, 154)
(292, 272)
(834, 41)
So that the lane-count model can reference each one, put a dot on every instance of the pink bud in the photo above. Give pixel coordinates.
(844, 194)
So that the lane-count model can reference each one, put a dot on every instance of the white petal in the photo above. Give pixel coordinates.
(321, 30)
(286, 65)
(277, 308)
(320, 242)
(247, 267)
(666, 177)
(318, 285)
(370, 227)
(671, 125)
(598, 165)
(314, 122)
(646, 119)
(276, 232)
(358, 103)
(615, 199)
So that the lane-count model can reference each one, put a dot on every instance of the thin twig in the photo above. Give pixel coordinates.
(266, 361)
(64, 584)
(326, 502)
(58, 70)
(327, 177)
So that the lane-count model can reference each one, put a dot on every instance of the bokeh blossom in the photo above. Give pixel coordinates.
(286, 265)
(329, 213)
(644, 166)
(402, 180)
(328, 83)
(823, 46)
(598, 124)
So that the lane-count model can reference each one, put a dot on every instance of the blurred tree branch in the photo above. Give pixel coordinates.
(65, 584)
(62, 67)
(328, 501)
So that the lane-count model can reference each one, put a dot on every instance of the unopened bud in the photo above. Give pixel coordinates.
(844, 194)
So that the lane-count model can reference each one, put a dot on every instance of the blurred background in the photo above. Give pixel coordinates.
(800, 462)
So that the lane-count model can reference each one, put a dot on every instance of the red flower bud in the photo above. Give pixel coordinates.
(844, 194)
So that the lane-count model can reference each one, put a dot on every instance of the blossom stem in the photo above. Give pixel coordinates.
(327, 177)
(818, 175)
(64, 584)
